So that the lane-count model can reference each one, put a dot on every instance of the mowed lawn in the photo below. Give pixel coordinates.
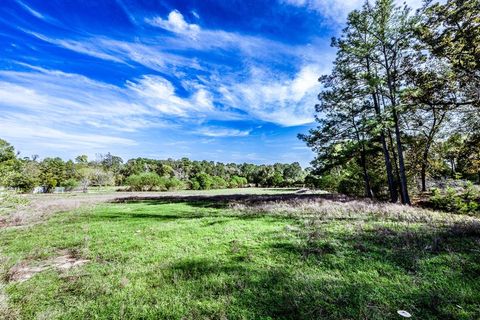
(206, 260)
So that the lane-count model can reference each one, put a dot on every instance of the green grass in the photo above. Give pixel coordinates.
(154, 260)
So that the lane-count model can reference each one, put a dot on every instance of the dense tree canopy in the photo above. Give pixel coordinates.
(140, 174)
(401, 103)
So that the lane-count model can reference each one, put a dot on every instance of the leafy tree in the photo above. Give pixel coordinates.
(146, 181)
(202, 181)
(218, 182)
(293, 173)
(275, 180)
(237, 182)
(53, 173)
(451, 31)
(9, 166)
(469, 156)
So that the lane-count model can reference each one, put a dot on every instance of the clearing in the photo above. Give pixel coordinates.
(241, 254)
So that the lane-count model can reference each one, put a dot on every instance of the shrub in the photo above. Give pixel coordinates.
(237, 182)
(146, 181)
(194, 185)
(464, 201)
(219, 183)
(50, 184)
(70, 184)
(174, 184)
(351, 186)
(202, 181)
(23, 182)
(276, 180)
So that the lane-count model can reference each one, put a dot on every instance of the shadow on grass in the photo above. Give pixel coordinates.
(221, 201)
(214, 203)
(351, 288)
(368, 274)
(271, 292)
(407, 248)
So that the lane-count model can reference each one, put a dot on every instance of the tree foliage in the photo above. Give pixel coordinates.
(401, 103)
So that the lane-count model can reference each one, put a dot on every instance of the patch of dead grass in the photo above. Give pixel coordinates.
(354, 210)
(25, 270)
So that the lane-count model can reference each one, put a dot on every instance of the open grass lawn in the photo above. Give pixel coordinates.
(206, 260)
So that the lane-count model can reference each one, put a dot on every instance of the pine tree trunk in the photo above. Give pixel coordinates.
(366, 178)
(392, 95)
(395, 161)
(392, 190)
(386, 154)
(401, 164)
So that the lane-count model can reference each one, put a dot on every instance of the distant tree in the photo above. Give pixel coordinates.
(53, 173)
(237, 182)
(202, 181)
(275, 180)
(293, 173)
(218, 182)
(165, 170)
(85, 176)
(8, 164)
(82, 159)
(7, 151)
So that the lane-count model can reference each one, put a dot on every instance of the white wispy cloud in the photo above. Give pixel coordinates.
(287, 101)
(37, 133)
(77, 99)
(32, 11)
(259, 91)
(337, 10)
(176, 23)
(36, 101)
(84, 47)
(160, 93)
(167, 53)
(222, 132)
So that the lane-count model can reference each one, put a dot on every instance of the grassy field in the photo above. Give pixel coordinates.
(302, 257)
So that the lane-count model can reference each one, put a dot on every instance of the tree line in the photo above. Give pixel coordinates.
(139, 174)
(402, 102)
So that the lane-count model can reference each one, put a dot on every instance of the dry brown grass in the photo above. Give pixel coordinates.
(352, 210)
(36, 208)
(308, 206)
(26, 269)
(39, 207)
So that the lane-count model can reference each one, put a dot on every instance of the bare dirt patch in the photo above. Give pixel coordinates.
(27, 269)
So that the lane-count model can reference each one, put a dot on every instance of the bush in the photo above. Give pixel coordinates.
(24, 182)
(174, 184)
(146, 181)
(194, 185)
(149, 181)
(237, 182)
(219, 183)
(202, 181)
(50, 184)
(451, 200)
(276, 180)
(70, 184)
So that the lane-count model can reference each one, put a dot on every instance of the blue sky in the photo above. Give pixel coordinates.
(230, 81)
